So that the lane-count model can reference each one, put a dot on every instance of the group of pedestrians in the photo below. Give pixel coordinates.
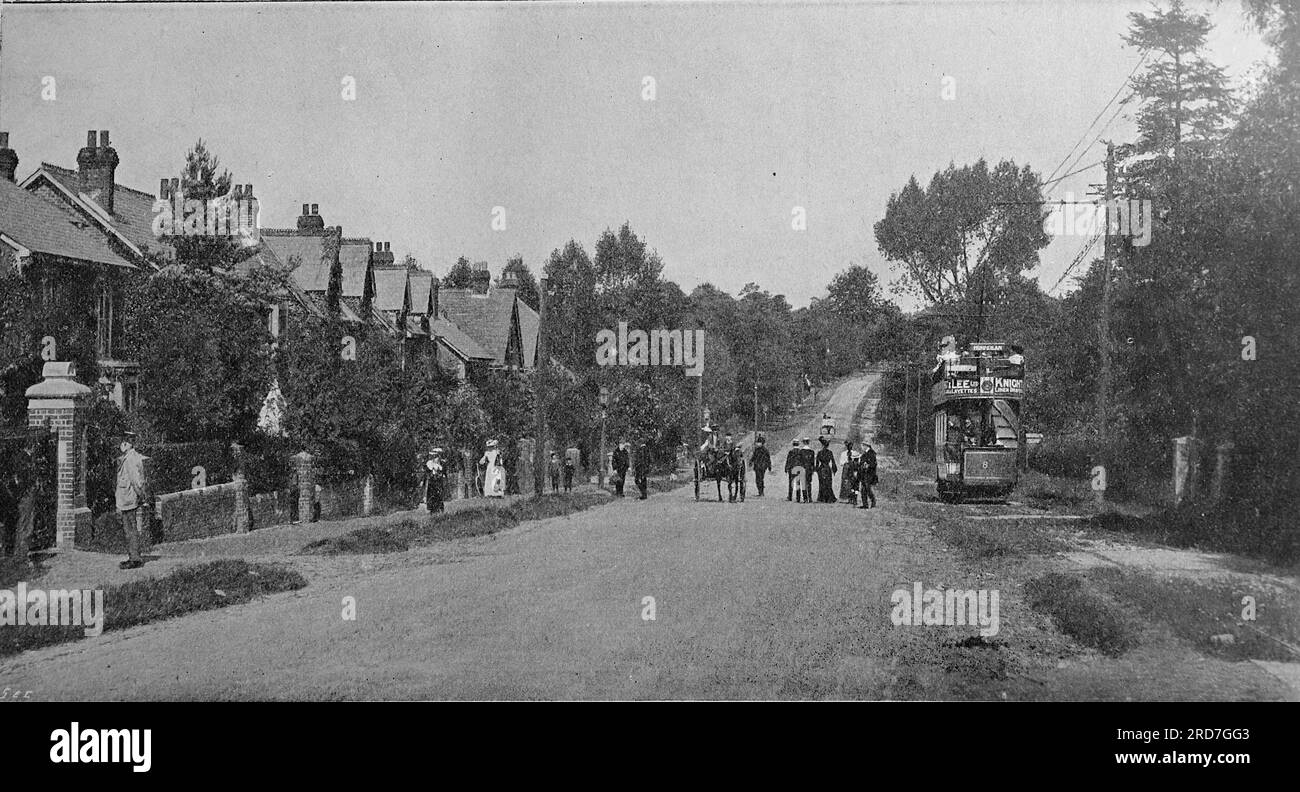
(624, 458)
(857, 469)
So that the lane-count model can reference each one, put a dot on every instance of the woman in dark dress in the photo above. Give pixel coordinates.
(848, 474)
(825, 467)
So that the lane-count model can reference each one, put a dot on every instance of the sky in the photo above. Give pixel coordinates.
(538, 114)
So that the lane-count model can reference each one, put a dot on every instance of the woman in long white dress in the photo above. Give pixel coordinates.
(494, 474)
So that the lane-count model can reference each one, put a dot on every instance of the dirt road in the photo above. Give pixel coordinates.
(664, 599)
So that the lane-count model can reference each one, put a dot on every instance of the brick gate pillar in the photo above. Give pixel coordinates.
(59, 401)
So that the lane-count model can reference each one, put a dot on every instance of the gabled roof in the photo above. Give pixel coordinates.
(354, 255)
(421, 291)
(264, 257)
(44, 226)
(487, 318)
(457, 341)
(132, 216)
(391, 290)
(529, 324)
(312, 274)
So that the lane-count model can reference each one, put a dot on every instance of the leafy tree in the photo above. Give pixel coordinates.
(571, 314)
(527, 288)
(204, 352)
(970, 229)
(460, 276)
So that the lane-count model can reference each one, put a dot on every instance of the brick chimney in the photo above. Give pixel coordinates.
(382, 255)
(97, 169)
(8, 159)
(509, 280)
(482, 279)
(311, 221)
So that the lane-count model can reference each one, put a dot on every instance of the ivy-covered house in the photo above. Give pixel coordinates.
(73, 237)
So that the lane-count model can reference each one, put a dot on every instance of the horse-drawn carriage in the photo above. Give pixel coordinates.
(828, 425)
(721, 465)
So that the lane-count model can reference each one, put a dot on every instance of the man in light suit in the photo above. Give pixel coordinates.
(130, 497)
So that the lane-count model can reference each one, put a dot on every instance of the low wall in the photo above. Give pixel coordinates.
(199, 513)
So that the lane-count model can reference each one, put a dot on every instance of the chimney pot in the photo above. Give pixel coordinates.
(163, 188)
(248, 191)
(103, 138)
(315, 209)
(4, 140)
(176, 186)
(90, 138)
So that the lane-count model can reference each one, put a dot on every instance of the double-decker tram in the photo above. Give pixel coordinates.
(976, 396)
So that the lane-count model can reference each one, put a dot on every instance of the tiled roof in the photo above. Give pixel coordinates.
(132, 209)
(44, 226)
(455, 339)
(484, 317)
(421, 291)
(312, 274)
(264, 256)
(529, 324)
(390, 289)
(354, 255)
(321, 308)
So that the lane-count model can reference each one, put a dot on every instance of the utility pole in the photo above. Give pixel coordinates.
(539, 376)
(755, 405)
(920, 372)
(1103, 335)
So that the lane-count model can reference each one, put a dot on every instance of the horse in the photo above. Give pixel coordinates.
(714, 464)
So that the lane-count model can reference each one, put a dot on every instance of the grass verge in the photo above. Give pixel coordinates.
(1082, 613)
(982, 540)
(185, 590)
(477, 521)
(1198, 611)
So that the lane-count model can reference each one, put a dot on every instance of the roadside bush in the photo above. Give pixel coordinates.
(167, 467)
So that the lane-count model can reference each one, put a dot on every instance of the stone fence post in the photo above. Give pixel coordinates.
(59, 400)
(305, 465)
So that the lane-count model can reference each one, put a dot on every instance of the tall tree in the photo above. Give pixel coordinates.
(527, 283)
(1181, 94)
(203, 181)
(970, 229)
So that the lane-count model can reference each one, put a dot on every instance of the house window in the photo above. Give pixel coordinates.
(104, 313)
